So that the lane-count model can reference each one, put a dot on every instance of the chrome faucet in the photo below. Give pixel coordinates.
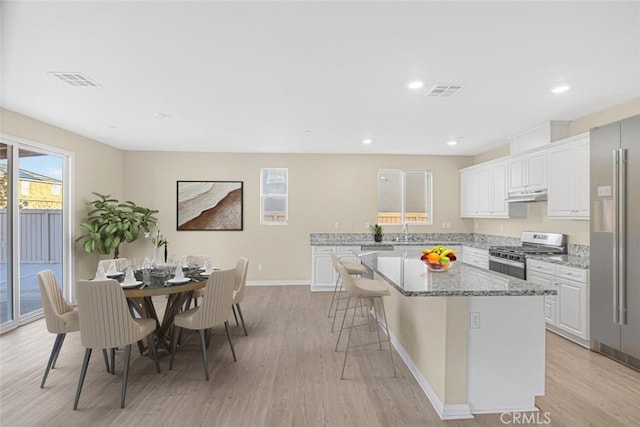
(405, 231)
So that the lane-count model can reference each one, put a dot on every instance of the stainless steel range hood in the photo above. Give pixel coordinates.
(527, 196)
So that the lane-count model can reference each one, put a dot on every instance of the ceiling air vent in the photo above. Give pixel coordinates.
(74, 79)
(444, 90)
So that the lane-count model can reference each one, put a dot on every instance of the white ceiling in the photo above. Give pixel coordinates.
(316, 77)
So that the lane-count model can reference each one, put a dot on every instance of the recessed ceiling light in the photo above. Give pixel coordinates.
(158, 115)
(367, 141)
(560, 89)
(415, 85)
(452, 143)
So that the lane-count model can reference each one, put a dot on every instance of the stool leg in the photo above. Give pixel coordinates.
(346, 353)
(335, 313)
(375, 319)
(342, 325)
(386, 326)
(333, 296)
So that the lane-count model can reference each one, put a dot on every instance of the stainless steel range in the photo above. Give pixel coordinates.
(511, 260)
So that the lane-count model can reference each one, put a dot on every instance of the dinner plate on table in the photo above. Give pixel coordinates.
(178, 281)
(130, 284)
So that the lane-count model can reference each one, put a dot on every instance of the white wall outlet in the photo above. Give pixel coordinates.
(444, 225)
(474, 320)
(259, 267)
(367, 226)
(501, 227)
(477, 226)
(337, 225)
(448, 225)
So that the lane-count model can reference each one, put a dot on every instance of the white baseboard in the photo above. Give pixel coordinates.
(279, 283)
(445, 412)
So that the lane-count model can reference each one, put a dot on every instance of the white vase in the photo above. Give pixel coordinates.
(158, 257)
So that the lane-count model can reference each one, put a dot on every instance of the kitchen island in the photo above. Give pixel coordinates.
(474, 339)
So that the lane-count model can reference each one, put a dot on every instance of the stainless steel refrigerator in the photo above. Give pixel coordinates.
(615, 241)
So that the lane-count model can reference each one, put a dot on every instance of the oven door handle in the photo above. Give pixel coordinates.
(506, 261)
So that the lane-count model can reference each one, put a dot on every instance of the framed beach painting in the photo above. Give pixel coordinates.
(210, 205)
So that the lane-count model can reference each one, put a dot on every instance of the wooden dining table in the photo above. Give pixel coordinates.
(141, 301)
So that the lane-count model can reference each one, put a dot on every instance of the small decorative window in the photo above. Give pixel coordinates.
(274, 196)
(404, 197)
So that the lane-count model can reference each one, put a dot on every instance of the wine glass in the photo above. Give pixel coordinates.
(146, 268)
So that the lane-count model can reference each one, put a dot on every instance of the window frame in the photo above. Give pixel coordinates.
(264, 196)
(403, 197)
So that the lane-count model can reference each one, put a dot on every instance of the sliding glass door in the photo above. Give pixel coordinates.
(34, 221)
(6, 288)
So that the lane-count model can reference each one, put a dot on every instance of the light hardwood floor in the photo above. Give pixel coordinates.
(287, 374)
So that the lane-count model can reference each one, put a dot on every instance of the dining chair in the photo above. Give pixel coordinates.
(59, 315)
(198, 261)
(105, 322)
(238, 291)
(350, 268)
(358, 289)
(213, 311)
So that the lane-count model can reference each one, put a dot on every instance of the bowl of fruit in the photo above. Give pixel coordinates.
(438, 258)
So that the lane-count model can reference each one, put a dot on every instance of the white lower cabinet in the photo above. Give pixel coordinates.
(572, 308)
(568, 312)
(323, 275)
(476, 257)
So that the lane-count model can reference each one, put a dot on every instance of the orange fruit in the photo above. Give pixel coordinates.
(434, 258)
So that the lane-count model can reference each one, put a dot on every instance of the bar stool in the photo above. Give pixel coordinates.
(351, 268)
(358, 289)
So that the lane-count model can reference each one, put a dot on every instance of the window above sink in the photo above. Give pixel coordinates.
(404, 197)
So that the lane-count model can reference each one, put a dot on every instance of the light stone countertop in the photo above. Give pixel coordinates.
(405, 272)
(566, 260)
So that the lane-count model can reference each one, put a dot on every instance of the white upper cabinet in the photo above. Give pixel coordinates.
(568, 175)
(528, 172)
(483, 190)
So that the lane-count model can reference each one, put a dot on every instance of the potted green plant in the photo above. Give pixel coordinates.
(112, 223)
(377, 232)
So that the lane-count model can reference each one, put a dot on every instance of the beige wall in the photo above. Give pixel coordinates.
(610, 115)
(96, 167)
(323, 189)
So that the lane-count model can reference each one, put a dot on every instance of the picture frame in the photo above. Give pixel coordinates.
(209, 205)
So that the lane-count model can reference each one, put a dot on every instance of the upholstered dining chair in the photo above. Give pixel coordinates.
(238, 291)
(105, 322)
(59, 315)
(213, 311)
